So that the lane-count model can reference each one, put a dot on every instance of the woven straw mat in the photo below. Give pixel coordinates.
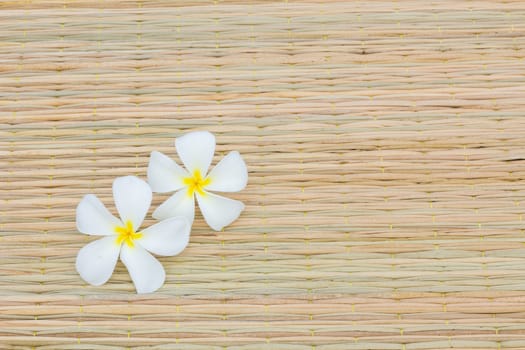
(385, 143)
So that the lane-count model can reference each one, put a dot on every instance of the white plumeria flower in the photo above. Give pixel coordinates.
(96, 261)
(196, 151)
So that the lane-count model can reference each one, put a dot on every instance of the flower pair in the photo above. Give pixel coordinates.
(122, 237)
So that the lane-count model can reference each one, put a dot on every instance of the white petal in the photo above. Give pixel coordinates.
(179, 204)
(168, 237)
(164, 174)
(196, 150)
(96, 261)
(219, 211)
(132, 197)
(94, 219)
(229, 175)
(146, 272)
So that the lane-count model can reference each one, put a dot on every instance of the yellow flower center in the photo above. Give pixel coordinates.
(127, 234)
(196, 183)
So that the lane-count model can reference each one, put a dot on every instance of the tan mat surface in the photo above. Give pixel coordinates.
(386, 148)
